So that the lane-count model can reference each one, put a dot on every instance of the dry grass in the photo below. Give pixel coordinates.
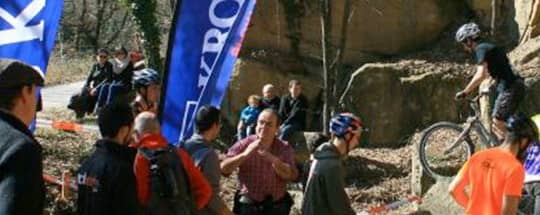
(68, 69)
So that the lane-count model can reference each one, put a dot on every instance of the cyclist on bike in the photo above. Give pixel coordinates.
(147, 85)
(492, 61)
(495, 176)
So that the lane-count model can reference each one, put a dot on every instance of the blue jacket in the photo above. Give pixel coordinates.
(249, 115)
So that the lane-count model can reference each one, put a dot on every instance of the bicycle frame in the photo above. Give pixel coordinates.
(473, 124)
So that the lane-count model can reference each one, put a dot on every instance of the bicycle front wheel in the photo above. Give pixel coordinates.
(441, 153)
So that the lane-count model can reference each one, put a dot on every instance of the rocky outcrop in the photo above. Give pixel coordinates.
(250, 75)
(394, 104)
(385, 27)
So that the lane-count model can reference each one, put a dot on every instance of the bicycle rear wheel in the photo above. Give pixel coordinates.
(440, 153)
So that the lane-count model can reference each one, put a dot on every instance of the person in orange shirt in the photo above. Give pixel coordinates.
(495, 176)
(147, 134)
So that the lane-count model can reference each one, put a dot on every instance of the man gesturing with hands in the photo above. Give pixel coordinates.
(266, 164)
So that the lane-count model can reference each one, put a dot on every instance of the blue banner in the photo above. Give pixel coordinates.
(28, 30)
(203, 48)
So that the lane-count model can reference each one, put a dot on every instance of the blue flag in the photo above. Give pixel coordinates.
(203, 48)
(28, 30)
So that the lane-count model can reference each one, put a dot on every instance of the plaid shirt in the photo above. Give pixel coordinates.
(257, 177)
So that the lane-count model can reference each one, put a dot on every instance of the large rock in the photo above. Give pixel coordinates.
(384, 27)
(512, 16)
(250, 75)
(438, 200)
(394, 104)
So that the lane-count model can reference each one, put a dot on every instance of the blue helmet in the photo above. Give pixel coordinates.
(345, 123)
(145, 77)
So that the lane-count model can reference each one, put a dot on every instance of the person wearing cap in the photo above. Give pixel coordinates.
(325, 189)
(22, 190)
(530, 201)
(494, 177)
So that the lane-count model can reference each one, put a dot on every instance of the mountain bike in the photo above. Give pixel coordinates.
(445, 146)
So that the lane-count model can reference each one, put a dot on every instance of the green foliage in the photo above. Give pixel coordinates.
(144, 13)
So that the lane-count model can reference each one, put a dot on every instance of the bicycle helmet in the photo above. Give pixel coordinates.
(522, 126)
(469, 30)
(145, 77)
(345, 123)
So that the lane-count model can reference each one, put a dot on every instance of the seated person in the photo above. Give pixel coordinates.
(248, 117)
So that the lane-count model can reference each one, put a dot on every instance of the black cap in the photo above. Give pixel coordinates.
(14, 73)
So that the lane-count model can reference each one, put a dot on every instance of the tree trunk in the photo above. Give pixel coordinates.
(327, 89)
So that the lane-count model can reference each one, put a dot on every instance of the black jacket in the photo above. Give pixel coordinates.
(125, 77)
(22, 190)
(325, 190)
(293, 111)
(106, 181)
(99, 74)
(271, 103)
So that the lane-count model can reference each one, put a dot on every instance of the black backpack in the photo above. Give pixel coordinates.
(170, 192)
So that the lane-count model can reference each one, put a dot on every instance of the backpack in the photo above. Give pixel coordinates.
(197, 151)
(170, 192)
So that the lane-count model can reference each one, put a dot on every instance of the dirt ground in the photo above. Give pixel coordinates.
(376, 176)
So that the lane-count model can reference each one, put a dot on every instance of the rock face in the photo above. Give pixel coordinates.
(394, 104)
(383, 27)
(250, 76)
(438, 201)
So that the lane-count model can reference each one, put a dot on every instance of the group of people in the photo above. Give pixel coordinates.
(292, 109)
(108, 80)
(134, 170)
(493, 181)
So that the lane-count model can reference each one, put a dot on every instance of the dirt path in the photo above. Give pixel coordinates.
(58, 96)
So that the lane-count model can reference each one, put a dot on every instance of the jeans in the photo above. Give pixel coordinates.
(286, 131)
(530, 200)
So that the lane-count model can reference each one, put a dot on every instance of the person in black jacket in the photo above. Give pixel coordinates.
(269, 99)
(293, 111)
(106, 180)
(22, 190)
(325, 189)
(100, 73)
(122, 67)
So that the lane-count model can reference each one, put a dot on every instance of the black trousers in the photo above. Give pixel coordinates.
(266, 207)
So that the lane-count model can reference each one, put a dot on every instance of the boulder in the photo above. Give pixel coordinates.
(250, 75)
(385, 27)
(438, 201)
(394, 104)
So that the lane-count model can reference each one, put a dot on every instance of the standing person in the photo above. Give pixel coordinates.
(325, 189)
(200, 147)
(147, 85)
(22, 190)
(167, 180)
(105, 180)
(266, 164)
(530, 202)
(492, 61)
(292, 110)
(495, 176)
(270, 99)
(122, 67)
(248, 117)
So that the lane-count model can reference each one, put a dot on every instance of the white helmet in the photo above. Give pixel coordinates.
(469, 30)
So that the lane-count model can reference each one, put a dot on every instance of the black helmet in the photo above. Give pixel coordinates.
(522, 127)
